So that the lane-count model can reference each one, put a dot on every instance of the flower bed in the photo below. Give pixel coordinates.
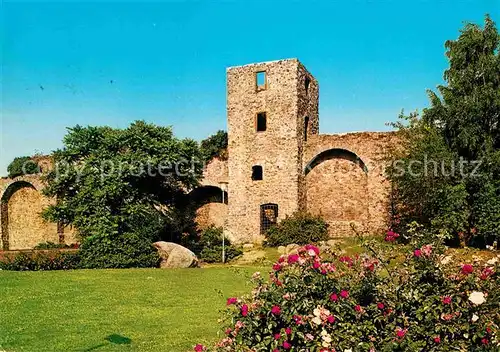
(340, 303)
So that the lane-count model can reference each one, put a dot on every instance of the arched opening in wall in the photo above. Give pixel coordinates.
(22, 224)
(268, 216)
(211, 206)
(337, 189)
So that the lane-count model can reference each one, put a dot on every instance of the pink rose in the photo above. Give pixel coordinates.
(231, 300)
(331, 319)
(244, 310)
(417, 253)
(467, 269)
(288, 331)
(344, 294)
(199, 348)
(437, 339)
(287, 345)
(446, 299)
(277, 267)
(380, 306)
(293, 258)
(334, 297)
(277, 336)
(276, 310)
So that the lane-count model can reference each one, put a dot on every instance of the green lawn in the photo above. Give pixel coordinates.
(115, 310)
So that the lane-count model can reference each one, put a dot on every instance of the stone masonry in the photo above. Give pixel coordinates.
(277, 164)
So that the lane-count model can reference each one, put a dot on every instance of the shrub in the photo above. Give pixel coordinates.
(22, 165)
(41, 260)
(120, 251)
(299, 228)
(358, 304)
(208, 246)
(51, 245)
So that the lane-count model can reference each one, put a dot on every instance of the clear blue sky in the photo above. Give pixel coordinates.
(94, 63)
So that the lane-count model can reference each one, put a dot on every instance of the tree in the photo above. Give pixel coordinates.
(121, 186)
(214, 146)
(456, 186)
(22, 165)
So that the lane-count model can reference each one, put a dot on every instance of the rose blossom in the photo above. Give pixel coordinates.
(417, 253)
(276, 310)
(446, 299)
(467, 269)
(344, 294)
(231, 300)
(244, 310)
(477, 298)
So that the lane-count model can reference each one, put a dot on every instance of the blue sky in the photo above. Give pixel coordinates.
(93, 63)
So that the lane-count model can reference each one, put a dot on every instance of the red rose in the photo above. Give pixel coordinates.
(380, 306)
(277, 336)
(467, 269)
(277, 267)
(437, 339)
(231, 300)
(331, 319)
(357, 308)
(293, 258)
(344, 294)
(288, 331)
(287, 345)
(417, 252)
(446, 299)
(334, 297)
(276, 310)
(199, 348)
(244, 310)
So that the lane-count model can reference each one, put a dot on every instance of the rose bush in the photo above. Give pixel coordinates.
(365, 303)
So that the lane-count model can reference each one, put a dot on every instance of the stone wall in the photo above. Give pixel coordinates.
(346, 189)
(21, 225)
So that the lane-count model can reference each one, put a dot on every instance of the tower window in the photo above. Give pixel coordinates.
(261, 80)
(268, 216)
(307, 82)
(257, 173)
(261, 122)
(306, 127)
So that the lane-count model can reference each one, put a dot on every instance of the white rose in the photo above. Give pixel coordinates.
(474, 318)
(477, 298)
(316, 320)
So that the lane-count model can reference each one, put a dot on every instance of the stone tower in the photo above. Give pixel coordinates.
(272, 108)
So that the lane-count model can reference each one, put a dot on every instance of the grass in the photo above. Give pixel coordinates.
(115, 310)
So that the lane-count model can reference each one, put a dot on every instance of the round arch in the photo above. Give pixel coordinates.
(337, 189)
(211, 206)
(335, 153)
(21, 223)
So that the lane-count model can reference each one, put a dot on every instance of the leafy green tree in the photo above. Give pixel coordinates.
(446, 173)
(22, 165)
(122, 187)
(214, 146)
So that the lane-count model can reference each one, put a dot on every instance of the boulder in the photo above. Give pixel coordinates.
(174, 255)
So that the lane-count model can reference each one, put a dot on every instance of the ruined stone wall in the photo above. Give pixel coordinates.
(344, 192)
(214, 213)
(21, 224)
(276, 149)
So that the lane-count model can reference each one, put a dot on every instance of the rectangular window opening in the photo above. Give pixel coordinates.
(307, 83)
(261, 122)
(268, 216)
(257, 174)
(261, 79)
